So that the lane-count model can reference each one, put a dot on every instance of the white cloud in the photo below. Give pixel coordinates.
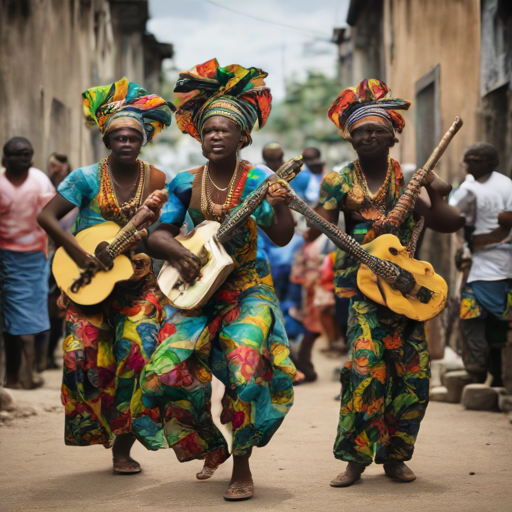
(200, 31)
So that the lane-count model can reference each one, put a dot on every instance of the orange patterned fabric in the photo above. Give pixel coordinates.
(370, 97)
(232, 91)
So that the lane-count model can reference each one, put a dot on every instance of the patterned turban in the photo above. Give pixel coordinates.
(369, 102)
(126, 104)
(234, 92)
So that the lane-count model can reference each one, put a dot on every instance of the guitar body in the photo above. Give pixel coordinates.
(66, 271)
(388, 247)
(217, 264)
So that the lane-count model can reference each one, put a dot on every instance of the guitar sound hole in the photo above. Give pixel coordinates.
(393, 251)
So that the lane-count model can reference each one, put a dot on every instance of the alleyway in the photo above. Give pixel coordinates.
(39, 473)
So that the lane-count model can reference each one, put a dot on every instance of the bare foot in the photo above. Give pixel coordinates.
(13, 384)
(36, 381)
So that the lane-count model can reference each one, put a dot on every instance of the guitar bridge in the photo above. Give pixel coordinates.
(424, 295)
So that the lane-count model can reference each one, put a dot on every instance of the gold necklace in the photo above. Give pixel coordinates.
(379, 198)
(213, 183)
(107, 197)
(207, 205)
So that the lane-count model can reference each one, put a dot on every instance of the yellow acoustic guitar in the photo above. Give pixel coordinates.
(66, 271)
(388, 247)
(95, 283)
(388, 275)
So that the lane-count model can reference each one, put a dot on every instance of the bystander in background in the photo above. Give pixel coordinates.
(58, 169)
(486, 260)
(24, 191)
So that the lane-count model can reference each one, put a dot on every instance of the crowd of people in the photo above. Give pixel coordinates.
(137, 368)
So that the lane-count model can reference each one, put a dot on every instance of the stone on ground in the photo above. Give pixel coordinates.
(504, 401)
(6, 400)
(479, 397)
(454, 383)
(439, 394)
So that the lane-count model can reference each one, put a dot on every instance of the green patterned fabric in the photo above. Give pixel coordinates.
(238, 336)
(385, 382)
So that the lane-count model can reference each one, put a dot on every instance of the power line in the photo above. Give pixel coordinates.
(318, 35)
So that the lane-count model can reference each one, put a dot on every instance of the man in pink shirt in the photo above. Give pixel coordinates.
(24, 191)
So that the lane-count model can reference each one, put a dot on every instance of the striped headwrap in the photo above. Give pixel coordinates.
(126, 104)
(234, 92)
(369, 102)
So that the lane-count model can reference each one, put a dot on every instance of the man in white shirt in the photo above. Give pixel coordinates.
(486, 298)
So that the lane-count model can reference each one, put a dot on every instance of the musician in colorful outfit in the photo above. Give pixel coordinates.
(238, 335)
(106, 345)
(385, 382)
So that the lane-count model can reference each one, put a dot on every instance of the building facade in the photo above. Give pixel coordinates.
(52, 50)
(449, 58)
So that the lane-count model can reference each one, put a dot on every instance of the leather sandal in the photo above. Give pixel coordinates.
(238, 491)
(126, 466)
(399, 471)
(350, 476)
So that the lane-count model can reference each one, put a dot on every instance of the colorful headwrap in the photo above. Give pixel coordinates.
(369, 102)
(126, 104)
(234, 92)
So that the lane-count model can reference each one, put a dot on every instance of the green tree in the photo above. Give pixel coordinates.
(301, 119)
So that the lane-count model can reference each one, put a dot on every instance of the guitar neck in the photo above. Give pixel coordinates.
(240, 215)
(345, 242)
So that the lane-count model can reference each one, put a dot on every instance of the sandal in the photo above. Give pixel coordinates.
(126, 466)
(238, 491)
(206, 472)
(399, 471)
(212, 462)
(350, 476)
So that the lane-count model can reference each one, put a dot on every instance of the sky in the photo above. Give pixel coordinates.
(293, 38)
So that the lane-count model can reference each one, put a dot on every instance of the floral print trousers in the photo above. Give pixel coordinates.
(240, 338)
(385, 385)
(105, 348)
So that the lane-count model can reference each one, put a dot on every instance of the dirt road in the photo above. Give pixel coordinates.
(37, 472)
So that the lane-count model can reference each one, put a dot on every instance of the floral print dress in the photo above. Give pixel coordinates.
(238, 336)
(105, 346)
(385, 382)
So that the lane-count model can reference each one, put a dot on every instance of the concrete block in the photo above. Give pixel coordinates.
(504, 400)
(479, 397)
(439, 394)
(454, 383)
(6, 400)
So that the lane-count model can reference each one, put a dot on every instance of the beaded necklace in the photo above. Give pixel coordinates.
(208, 207)
(107, 197)
(379, 198)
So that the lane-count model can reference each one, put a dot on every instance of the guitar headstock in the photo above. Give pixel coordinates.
(289, 170)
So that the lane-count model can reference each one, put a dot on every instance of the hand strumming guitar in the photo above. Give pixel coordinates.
(184, 261)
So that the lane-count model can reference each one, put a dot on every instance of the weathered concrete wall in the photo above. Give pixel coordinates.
(51, 51)
(418, 36)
